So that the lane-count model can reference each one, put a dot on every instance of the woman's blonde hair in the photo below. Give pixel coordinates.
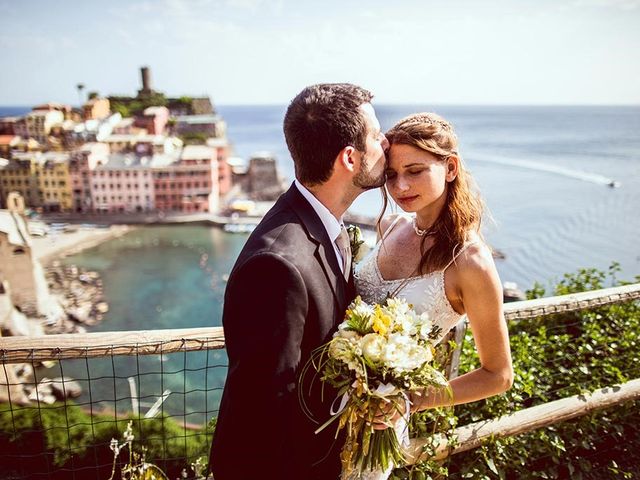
(463, 209)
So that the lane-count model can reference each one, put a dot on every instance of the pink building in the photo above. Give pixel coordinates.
(81, 163)
(153, 119)
(221, 147)
(123, 185)
(190, 184)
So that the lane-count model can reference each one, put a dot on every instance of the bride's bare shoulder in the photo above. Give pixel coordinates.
(389, 220)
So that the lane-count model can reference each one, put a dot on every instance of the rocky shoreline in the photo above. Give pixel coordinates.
(71, 300)
(80, 294)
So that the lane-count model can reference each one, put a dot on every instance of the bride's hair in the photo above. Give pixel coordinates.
(463, 210)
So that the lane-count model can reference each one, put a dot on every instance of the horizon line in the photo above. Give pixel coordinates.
(398, 104)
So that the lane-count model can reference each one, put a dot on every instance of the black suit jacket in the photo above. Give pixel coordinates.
(285, 297)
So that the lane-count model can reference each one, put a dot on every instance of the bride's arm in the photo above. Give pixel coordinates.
(481, 294)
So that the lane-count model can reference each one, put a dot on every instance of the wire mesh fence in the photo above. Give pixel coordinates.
(63, 406)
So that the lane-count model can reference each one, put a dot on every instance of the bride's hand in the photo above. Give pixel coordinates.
(389, 412)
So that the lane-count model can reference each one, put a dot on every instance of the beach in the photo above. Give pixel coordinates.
(59, 244)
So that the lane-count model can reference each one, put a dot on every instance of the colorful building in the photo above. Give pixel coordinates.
(39, 123)
(7, 125)
(54, 181)
(123, 184)
(188, 185)
(225, 174)
(205, 125)
(153, 120)
(7, 144)
(42, 179)
(81, 162)
(96, 109)
(18, 175)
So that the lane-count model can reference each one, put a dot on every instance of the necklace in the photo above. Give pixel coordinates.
(419, 231)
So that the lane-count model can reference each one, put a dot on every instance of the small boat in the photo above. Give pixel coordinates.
(239, 227)
(512, 293)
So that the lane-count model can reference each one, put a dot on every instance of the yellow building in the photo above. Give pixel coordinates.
(18, 175)
(54, 182)
(42, 179)
(96, 108)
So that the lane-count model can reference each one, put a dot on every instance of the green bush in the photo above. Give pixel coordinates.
(42, 437)
(556, 357)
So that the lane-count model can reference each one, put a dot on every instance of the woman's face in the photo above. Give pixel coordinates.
(416, 180)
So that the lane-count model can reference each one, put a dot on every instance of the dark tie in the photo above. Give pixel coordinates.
(344, 246)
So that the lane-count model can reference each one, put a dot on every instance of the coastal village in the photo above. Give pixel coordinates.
(116, 160)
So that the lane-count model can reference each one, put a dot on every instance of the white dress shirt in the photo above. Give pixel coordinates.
(332, 225)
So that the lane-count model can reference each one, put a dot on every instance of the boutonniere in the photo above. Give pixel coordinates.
(359, 248)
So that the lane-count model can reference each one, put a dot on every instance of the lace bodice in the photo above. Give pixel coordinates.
(425, 292)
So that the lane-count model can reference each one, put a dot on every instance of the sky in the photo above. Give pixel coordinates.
(265, 51)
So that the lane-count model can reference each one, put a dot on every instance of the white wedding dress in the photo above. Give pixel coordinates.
(425, 292)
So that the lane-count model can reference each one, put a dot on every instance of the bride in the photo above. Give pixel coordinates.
(436, 259)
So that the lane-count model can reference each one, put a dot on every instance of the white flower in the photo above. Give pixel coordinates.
(114, 446)
(403, 353)
(347, 351)
(372, 346)
(425, 326)
(361, 308)
(398, 306)
(128, 433)
(347, 335)
(359, 247)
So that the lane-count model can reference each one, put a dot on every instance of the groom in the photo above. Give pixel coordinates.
(289, 290)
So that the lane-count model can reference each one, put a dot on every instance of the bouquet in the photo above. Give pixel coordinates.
(379, 354)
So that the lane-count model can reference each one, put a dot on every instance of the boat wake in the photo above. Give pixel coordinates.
(546, 167)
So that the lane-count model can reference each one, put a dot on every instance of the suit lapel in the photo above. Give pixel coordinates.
(324, 246)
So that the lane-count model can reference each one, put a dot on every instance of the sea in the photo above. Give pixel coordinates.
(561, 185)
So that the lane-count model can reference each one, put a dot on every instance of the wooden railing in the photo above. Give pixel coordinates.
(154, 342)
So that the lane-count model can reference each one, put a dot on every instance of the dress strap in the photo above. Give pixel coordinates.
(464, 247)
(388, 230)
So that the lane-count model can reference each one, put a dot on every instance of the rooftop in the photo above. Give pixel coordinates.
(9, 139)
(122, 161)
(155, 110)
(197, 152)
(198, 119)
(217, 142)
(133, 138)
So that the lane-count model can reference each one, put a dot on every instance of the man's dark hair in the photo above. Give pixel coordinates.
(320, 121)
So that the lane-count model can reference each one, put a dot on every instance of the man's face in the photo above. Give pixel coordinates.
(372, 160)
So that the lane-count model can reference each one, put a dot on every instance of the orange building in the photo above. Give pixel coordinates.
(96, 109)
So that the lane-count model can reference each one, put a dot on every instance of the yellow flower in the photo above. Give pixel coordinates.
(381, 321)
